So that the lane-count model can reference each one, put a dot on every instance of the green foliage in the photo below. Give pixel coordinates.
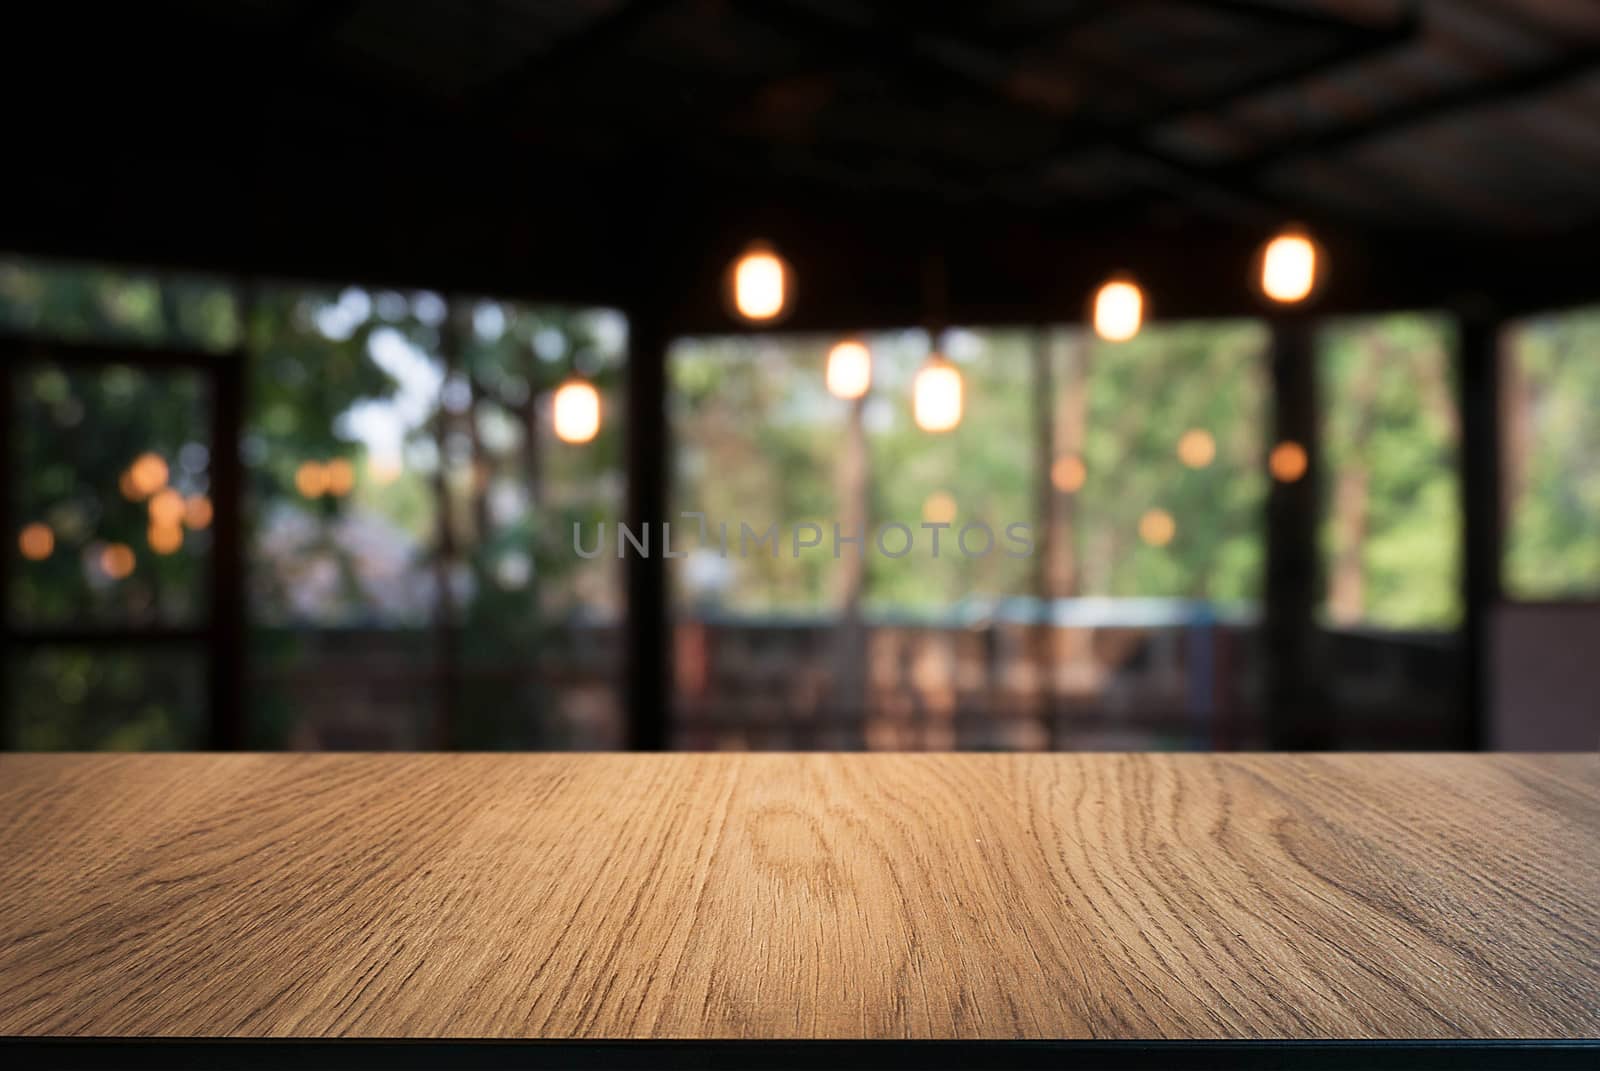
(1553, 542)
(1391, 420)
(1143, 396)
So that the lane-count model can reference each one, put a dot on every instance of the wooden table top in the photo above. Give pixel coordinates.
(806, 896)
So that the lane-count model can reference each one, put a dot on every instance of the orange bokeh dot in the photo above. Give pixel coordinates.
(1287, 462)
(36, 541)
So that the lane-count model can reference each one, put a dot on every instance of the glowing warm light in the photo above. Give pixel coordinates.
(36, 541)
(1068, 473)
(146, 476)
(936, 395)
(939, 508)
(197, 512)
(116, 560)
(1288, 267)
(575, 411)
(164, 538)
(760, 283)
(1118, 311)
(166, 508)
(384, 470)
(129, 489)
(849, 370)
(1287, 462)
(311, 479)
(1157, 527)
(341, 477)
(1196, 448)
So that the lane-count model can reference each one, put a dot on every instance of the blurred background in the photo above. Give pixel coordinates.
(284, 465)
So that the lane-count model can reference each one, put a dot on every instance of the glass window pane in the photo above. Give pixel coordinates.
(538, 650)
(413, 582)
(105, 698)
(1392, 514)
(1155, 548)
(1159, 463)
(1391, 534)
(996, 644)
(111, 497)
(341, 474)
(1551, 466)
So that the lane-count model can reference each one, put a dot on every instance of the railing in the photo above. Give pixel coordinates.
(1096, 674)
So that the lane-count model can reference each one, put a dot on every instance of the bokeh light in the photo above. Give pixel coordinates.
(1288, 268)
(1068, 473)
(1157, 527)
(849, 372)
(575, 411)
(1287, 462)
(166, 508)
(147, 475)
(939, 508)
(1197, 448)
(311, 479)
(341, 477)
(116, 560)
(37, 541)
(1118, 311)
(760, 284)
(197, 512)
(936, 395)
(164, 538)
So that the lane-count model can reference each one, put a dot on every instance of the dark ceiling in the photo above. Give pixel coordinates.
(583, 150)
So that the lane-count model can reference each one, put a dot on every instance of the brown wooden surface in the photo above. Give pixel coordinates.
(1064, 896)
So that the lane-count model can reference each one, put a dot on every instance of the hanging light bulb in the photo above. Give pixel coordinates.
(1289, 267)
(576, 411)
(1118, 310)
(849, 372)
(936, 394)
(759, 283)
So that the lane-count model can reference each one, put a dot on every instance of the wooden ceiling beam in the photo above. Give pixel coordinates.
(505, 91)
(1468, 98)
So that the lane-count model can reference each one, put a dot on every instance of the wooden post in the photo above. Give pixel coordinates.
(647, 666)
(849, 699)
(448, 666)
(1296, 714)
(9, 443)
(225, 636)
(1478, 360)
(1044, 452)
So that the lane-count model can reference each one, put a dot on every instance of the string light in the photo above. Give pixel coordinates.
(341, 477)
(37, 541)
(1068, 473)
(1196, 448)
(1287, 462)
(164, 538)
(147, 475)
(1118, 310)
(936, 395)
(116, 560)
(575, 411)
(1157, 527)
(197, 512)
(166, 508)
(849, 373)
(939, 508)
(760, 283)
(311, 479)
(1289, 267)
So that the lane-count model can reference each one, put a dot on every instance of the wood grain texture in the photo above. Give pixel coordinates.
(976, 896)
